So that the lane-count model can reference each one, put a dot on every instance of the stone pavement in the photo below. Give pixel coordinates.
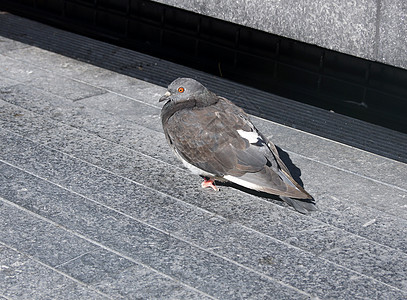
(94, 205)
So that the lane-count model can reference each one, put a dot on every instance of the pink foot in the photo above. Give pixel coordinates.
(209, 183)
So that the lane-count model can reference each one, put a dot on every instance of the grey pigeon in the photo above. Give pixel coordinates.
(215, 138)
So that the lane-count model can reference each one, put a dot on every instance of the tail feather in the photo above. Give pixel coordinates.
(303, 206)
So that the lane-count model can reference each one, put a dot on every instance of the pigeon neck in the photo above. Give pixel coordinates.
(171, 107)
(205, 99)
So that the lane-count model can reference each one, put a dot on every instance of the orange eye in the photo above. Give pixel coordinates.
(181, 89)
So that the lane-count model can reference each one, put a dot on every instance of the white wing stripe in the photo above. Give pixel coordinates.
(251, 136)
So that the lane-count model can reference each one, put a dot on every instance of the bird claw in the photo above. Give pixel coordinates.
(209, 183)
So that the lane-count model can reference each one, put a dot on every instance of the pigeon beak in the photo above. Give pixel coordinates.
(165, 96)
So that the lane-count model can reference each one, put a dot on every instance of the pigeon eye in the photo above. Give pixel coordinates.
(181, 89)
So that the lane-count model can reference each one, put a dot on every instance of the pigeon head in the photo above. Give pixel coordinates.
(188, 90)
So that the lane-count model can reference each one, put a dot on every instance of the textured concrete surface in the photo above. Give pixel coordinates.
(375, 30)
(392, 33)
(94, 205)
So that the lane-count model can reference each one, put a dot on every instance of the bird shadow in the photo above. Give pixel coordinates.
(294, 170)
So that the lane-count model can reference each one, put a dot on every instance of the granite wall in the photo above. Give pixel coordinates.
(370, 29)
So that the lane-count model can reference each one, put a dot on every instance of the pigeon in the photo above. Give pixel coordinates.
(215, 139)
